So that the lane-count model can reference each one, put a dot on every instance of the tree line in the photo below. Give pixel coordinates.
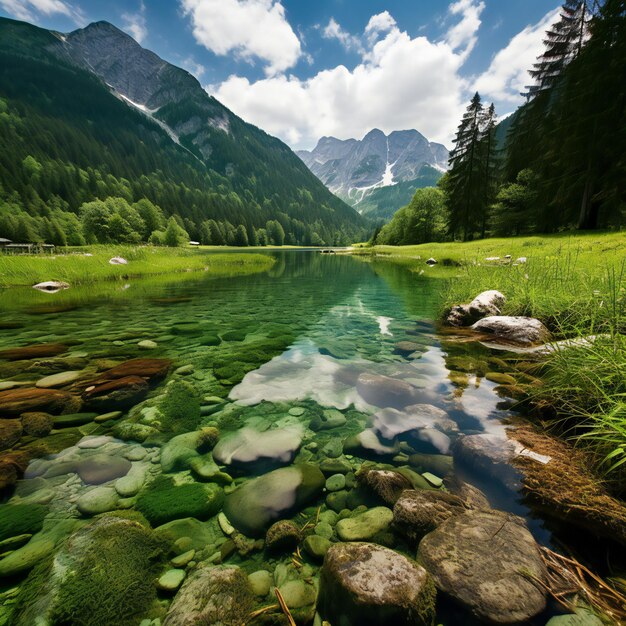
(562, 164)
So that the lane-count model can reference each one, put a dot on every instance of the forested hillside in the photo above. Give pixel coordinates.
(71, 147)
(562, 166)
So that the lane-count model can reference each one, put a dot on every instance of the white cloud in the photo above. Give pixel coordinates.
(379, 24)
(400, 83)
(135, 23)
(28, 9)
(249, 28)
(334, 31)
(463, 35)
(507, 75)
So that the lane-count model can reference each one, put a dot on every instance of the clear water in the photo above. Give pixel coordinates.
(301, 333)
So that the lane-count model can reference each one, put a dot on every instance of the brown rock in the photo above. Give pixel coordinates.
(37, 423)
(17, 401)
(36, 351)
(12, 467)
(116, 394)
(10, 433)
(386, 484)
(146, 368)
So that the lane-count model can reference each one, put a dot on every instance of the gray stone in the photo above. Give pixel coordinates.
(336, 482)
(519, 330)
(483, 559)
(58, 380)
(98, 500)
(316, 546)
(367, 585)
(484, 304)
(383, 391)
(171, 580)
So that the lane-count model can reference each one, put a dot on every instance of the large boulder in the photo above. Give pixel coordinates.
(418, 512)
(367, 585)
(517, 330)
(249, 449)
(212, 595)
(257, 503)
(484, 304)
(486, 560)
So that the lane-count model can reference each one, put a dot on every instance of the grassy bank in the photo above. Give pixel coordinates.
(576, 284)
(91, 264)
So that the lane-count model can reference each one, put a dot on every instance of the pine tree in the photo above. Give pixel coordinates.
(563, 43)
(465, 199)
(489, 157)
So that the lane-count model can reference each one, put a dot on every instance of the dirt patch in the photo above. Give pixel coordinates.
(565, 488)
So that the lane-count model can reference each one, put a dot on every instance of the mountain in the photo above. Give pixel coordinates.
(356, 170)
(91, 114)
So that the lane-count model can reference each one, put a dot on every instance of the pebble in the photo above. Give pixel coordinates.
(336, 482)
(185, 370)
(435, 481)
(58, 380)
(183, 559)
(260, 582)
(296, 411)
(148, 344)
(171, 580)
(105, 417)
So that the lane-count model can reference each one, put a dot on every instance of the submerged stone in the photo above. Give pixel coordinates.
(263, 500)
(365, 525)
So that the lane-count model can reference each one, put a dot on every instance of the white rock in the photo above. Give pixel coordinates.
(51, 286)
(518, 329)
(118, 260)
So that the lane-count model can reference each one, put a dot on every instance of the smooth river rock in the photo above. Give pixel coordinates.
(253, 507)
(383, 391)
(365, 525)
(520, 330)
(484, 304)
(363, 584)
(480, 558)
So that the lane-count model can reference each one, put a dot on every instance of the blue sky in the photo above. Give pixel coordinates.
(301, 69)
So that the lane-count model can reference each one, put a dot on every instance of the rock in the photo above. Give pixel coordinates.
(336, 466)
(367, 444)
(178, 453)
(58, 380)
(101, 468)
(253, 506)
(490, 456)
(17, 401)
(329, 419)
(226, 527)
(197, 534)
(130, 485)
(484, 304)
(296, 411)
(383, 391)
(282, 536)
(26, 557)
(212, 595)
(10, 433)
(182, 560)
(36, 351)
(117, 394)
(407, 347)
(51, 286)
(260, 582)
(73, 419)
(37, 424)
(98, 500)
(431, 261)
(519, 330)
(118, 260)
(107, 417)
(316, 546)
(367, 585)
(582, 617)
(365, 525)
(386, 484)
(500, 379)
(249, 449)
(418, 512)
(433, 480)
(171, 580)
(130, 431)
(439, 464)
(147, 344)
(299, 595)
(483, 559)
(336, 482)
(145, 368)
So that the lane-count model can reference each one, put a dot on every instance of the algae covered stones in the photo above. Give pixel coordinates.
(365, 525)
(263, 500)
(366, 584)
(485, 560)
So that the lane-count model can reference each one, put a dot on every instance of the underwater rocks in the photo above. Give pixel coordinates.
(257, 503)
(383, 391)
(36, 351)
(248, 449)
(118, 394)
(10, 433)
(145, 368)
(418, 512)
(519, 330)
(282, 535)
(58, 380)
(365, 525)
(367, 585)
(483, 559)
(212, 595)
(386, 484)
(484, 304)
(22, 400)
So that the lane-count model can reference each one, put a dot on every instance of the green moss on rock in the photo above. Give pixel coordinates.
(164, 501)
(19, 519)
(180, 407)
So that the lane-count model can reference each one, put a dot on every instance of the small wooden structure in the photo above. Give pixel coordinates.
(8, 247)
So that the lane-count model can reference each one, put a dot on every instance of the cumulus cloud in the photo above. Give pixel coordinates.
(463, 35)
(135, 23)
(507, 75)
(252, 29)
(401, 82)
(28, 9)
(333, 30)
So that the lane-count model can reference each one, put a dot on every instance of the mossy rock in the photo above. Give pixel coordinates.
(500, 379)
(234, 335)
(103, 575)
(467, 364)
(181, 407)
(20, 519)
(164, 501)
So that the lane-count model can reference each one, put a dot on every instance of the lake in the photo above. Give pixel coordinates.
(324, 362)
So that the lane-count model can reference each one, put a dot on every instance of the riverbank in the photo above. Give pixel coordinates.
(574, 284)
(90, 264)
